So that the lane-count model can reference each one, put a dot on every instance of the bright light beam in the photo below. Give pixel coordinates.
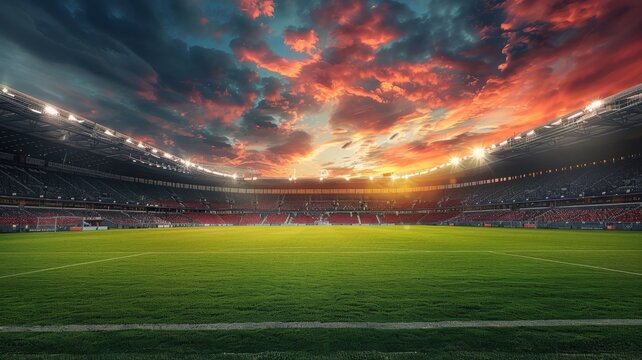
(479, 153)
(50, 110)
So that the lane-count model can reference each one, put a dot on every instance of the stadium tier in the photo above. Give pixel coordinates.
(600, 192)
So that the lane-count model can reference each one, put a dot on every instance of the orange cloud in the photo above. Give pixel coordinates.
(256, 8)
(371, 29)
(212, 110)
(263, 57)
(301, 40)
(560, 14)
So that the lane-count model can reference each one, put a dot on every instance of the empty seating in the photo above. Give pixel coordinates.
(343, 219)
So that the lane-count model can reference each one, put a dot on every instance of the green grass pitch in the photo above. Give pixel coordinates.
(327, 274)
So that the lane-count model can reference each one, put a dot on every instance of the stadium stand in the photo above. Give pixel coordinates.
(206, 218)
(368, 218)
(276, 219)
(343, 219)
(524, 183)
(304, 219)
(251, 219)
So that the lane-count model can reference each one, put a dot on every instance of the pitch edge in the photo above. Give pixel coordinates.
(321, 325)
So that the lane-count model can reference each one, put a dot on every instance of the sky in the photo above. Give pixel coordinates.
(344, 88)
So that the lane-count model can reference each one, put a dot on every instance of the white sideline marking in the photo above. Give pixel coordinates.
(323, 325)
(254, 251)
(70, 265)
(566, 263)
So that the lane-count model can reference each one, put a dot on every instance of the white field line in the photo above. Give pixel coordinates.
(323, 325)
(566, 263)
(70, 265)
(258, 251)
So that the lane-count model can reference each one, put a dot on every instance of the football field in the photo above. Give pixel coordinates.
(322, 291)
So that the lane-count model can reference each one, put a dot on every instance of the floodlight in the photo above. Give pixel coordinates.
(517, 137)
(36, 111)
(6, 91)
(129, 141)
(530, 133)
(140, 145)
(594, 105)
(370, 178)
(479, 153)
(109, 132)
(50, 110)
(454, 161)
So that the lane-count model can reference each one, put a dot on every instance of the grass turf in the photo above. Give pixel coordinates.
(384, 274)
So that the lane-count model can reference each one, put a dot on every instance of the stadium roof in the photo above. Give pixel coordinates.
(31, 127)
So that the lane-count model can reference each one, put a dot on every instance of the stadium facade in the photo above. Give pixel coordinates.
(60, 171)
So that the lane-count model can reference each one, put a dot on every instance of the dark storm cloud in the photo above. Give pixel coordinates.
(125, 44)
(448, 28)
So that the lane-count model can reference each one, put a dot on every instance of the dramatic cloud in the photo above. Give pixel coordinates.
(364, 115)
(300, 40)
(256, 8)
(350, 86)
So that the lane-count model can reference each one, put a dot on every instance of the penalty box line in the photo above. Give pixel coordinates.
(566, 263)
(71, 265)
(322, 325)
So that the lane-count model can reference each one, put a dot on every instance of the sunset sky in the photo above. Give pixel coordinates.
(352, 87)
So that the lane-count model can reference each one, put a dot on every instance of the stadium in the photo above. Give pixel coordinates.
(266, 212)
